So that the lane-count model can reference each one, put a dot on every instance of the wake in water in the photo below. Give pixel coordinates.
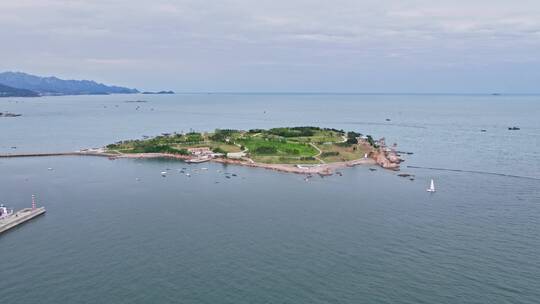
(473, 171)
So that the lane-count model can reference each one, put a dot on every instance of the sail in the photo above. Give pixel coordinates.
(431, 187)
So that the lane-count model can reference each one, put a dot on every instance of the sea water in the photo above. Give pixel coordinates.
(117, 231)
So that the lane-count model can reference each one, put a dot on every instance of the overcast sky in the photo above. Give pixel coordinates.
(279, 45)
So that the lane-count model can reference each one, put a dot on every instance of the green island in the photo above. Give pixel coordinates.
(292, 149)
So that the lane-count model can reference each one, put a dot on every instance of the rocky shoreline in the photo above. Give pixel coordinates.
(321, 169)
(387, 157)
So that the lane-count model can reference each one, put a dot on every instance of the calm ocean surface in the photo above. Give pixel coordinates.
(118, 232)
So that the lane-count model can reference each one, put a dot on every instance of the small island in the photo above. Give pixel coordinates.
(158, 93)
(308, 150)
(8, 114)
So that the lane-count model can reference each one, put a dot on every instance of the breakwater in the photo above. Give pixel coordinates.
(76, 153)
(36, 154)
(20, 217)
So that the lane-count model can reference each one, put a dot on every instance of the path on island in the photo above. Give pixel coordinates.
(319, 154)
(344, 139)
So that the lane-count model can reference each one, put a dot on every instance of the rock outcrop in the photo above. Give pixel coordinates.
(386, 157)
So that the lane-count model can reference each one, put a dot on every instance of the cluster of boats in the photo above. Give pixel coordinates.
(188, 174)
(182, 171)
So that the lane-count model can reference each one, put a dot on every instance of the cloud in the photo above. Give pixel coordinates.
(240, 37)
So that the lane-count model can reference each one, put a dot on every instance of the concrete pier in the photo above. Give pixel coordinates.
(19, 217)
(40, 154)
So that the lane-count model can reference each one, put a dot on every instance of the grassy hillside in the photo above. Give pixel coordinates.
(297, 145)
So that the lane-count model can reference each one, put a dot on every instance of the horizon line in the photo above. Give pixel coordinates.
(346, 93)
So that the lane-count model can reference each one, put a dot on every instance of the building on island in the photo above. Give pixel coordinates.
(202, 154)
(202, 151)
(236, 155)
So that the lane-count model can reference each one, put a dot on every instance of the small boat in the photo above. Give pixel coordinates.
(163, 173)
(514, 128)
(431, 187)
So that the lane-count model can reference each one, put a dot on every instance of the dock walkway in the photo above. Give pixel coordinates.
(20, 217)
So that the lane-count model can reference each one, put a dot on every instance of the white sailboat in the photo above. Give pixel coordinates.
(431, 187)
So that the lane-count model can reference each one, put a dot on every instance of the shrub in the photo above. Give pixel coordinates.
(292, 151)
(341, 132)
(183, 152)
(294, 132)
(371, 141)
(256, 131)
(331, 153)
(142, 148)
(265, 150)
(222, 135)
(219, 150)
(352, 141)
(193, 137)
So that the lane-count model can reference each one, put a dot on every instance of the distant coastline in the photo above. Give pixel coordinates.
(158, 93)
(18, 84)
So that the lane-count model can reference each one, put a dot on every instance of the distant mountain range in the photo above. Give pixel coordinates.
(22, 84)
(7, 91)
